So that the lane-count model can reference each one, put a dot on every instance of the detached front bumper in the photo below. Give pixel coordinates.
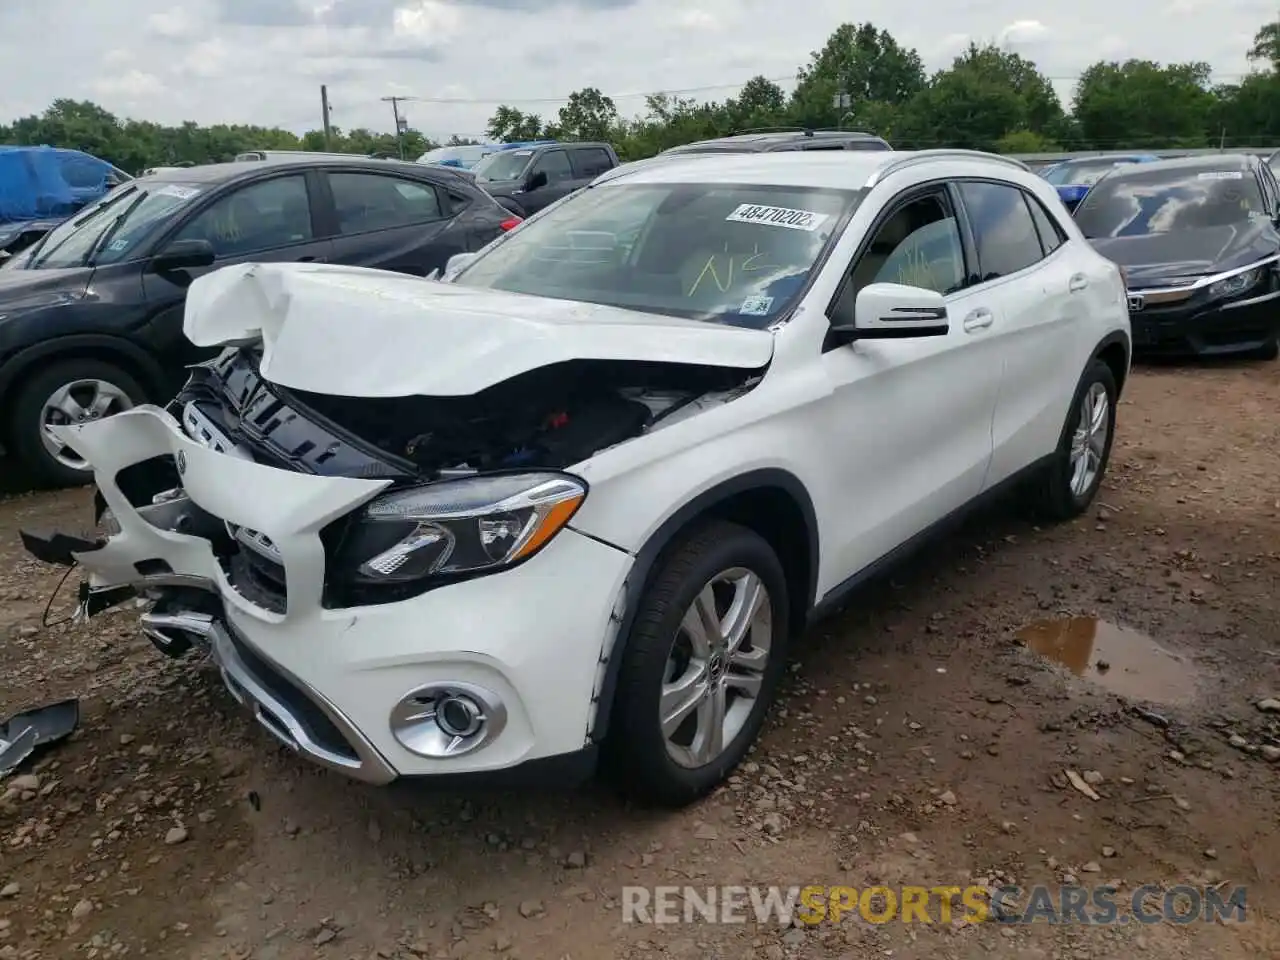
(1195, 328)
(351, 689)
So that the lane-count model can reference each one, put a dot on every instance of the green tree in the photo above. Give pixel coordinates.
(866, 64)
(986, 94)
(509, 125)
(588, 115)
(1140, 103)
(1266, 44)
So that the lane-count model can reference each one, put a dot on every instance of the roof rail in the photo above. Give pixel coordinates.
(943, 153)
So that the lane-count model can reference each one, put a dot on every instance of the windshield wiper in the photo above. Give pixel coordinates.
(34, 260)
(90, 258)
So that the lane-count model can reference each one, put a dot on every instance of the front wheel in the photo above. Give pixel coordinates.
(1075, 473)
(69, 392)
(700, 667)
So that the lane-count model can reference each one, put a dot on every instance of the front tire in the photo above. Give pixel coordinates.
(700, 668)
(67, 392)
(1071, 481)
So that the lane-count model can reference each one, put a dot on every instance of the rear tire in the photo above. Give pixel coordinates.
(1071, 481)
(683, 716)
(116, 389)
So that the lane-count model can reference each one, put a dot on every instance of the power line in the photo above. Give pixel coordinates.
(687, 90)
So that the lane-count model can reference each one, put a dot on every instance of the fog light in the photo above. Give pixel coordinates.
(445, 720)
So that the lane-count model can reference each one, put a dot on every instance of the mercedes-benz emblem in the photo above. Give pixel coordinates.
(182, 461)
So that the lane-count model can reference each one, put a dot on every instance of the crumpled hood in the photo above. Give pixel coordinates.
(355, 332)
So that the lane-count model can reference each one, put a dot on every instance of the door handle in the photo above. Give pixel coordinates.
(1078, 283)
(979, 319)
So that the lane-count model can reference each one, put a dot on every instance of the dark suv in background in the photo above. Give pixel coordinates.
(773, 140)
(530, 178)
(91, 316)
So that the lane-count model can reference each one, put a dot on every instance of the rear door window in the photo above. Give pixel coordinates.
(1002, 226)
(590, 161)
(375, 201)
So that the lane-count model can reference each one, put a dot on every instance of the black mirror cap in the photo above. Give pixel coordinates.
(185, 254)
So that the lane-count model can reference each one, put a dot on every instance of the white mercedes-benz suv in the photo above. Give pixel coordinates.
(567, 506)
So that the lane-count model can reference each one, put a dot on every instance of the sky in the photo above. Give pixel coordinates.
(263, 61)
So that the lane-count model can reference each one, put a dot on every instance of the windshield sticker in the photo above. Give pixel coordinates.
(807, 220)
(756, 306)
(1221, 175)
(174, 190)
(115, 246)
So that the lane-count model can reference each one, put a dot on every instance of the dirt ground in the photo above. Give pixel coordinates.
(920, 742)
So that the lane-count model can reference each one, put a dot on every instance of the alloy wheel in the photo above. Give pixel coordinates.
(80, 401)
(1089, 442)
(716, 667)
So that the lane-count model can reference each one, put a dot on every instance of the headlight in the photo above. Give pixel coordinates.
(1233, 286)
(459, 527)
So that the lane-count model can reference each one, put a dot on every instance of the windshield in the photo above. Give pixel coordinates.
(1083, 172)
(727, 253)
(503, 165)
(112, 229)
(1146, 201)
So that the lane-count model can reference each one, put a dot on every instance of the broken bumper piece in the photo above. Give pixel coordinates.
(493, 678)
(57, 548)
(296, 715)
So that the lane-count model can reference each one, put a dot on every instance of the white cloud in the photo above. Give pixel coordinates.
(1023, 32)
(131, 85)
(174, 23)
(262, 61)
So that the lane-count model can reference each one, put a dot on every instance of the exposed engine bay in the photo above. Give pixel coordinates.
(551, 417)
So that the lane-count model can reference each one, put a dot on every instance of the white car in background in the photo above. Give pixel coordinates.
(573, 505)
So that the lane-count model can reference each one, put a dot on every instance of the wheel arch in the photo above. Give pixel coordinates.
(1116, 351)
(135, 361)
(773, 503)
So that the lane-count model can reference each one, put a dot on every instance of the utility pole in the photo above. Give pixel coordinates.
(326, 109)
(401, 123)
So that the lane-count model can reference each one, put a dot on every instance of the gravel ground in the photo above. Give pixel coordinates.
(922, 740)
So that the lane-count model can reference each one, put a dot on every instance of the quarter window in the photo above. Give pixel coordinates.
(270, 213)
(374, 201)
(1051, 234)
(1003, 229)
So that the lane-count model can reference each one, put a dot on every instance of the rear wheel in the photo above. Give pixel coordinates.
(700, 668)
(68, 392)
(1072, 479)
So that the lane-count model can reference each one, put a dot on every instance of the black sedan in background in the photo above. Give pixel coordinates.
(91, 317)
(1198, 240)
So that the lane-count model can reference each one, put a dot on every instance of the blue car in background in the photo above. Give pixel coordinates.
(1073, 178)
(42, 186)
(468, 156)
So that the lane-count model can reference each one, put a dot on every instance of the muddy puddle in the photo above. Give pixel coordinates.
(1118, 659)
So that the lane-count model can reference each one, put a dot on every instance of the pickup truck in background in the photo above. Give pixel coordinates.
(530, 178)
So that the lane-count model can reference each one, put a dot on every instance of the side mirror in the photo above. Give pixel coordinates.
(892, 311)
(536, 181)
(456, 263)
(185, 255)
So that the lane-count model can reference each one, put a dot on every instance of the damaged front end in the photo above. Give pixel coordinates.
(251, 513)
